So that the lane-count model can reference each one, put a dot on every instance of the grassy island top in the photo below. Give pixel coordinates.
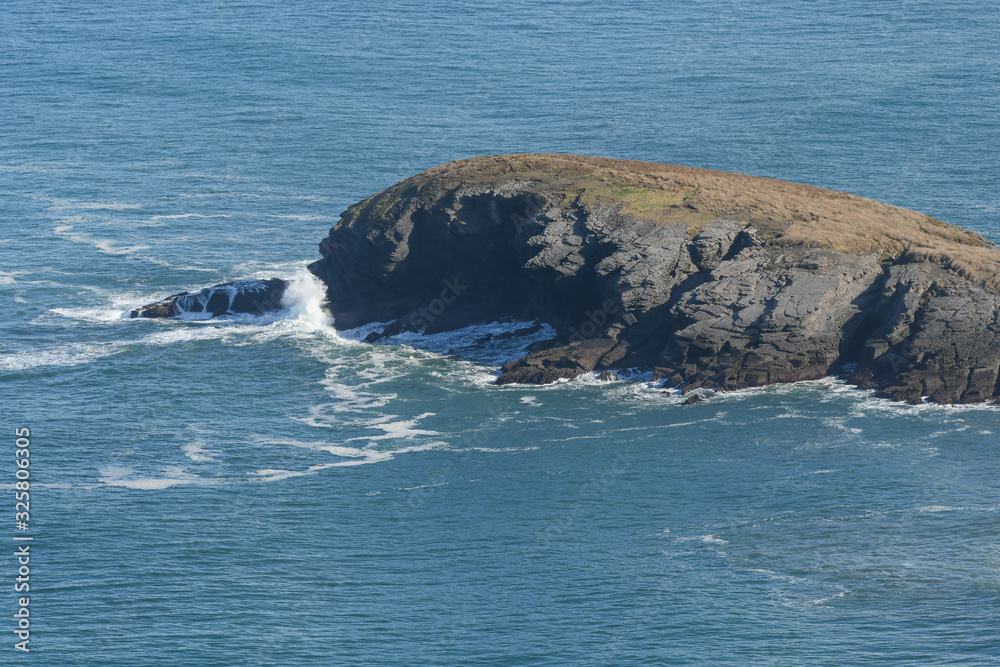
(784, 213)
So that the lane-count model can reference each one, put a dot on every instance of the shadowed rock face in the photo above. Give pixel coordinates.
(713, 280)
(254, 297)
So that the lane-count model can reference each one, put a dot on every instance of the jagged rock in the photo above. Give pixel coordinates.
(714, 280)
(693, 399)
(718, 242)
(163, 308)
(540, 345)
(863, 378)
(563, 362)
(254, 297)
(527, 331)
(608, 376)
(772, 315)
(395, 328)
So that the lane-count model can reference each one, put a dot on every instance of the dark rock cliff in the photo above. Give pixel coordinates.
(714, 280)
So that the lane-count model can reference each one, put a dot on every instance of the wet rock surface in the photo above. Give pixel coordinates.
(254, 297)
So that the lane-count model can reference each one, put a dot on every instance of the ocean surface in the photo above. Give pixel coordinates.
(264, 491)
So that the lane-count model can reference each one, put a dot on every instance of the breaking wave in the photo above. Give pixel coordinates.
(305, 299)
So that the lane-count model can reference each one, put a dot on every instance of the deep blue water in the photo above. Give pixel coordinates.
(264, 491)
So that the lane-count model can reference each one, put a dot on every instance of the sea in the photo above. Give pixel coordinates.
(273, 491)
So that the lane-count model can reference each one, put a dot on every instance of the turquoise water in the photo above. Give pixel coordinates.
(267, 491)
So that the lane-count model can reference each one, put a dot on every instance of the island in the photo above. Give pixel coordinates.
(711, 280)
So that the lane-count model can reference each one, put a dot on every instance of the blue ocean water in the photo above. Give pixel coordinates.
(267, 491)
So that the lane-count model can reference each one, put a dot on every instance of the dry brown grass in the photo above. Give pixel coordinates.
(786, 213)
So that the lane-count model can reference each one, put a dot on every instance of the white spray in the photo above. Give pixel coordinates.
(304, 298)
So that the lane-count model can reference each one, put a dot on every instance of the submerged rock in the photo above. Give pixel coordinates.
(254, 297)
(527, 331)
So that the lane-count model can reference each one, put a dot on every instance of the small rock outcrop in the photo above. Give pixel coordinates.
(713, 280)
(254, 297)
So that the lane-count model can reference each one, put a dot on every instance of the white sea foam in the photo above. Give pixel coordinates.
(330, 415)
(69, 204)
(195, 317)
(199, 452)
(403, 429)
(351, 456)
(420, 486)
(71, 354)
(500, 450)
(706, 539)
(125, 477)
(384, 368)
(791, 591)
(10, 277)
(181, 216)
(212, 195)
(838, 423)
(298, 217)
(886, 408)
(219, 177)
(827, 598)
(948, 508)
(89, 314)
(108, 246)
(185, 335)
(276, 475)
(350, 399)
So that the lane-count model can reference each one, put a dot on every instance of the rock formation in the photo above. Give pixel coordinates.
(714, 280)
(255, 297)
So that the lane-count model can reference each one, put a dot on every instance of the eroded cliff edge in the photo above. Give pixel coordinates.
(714, 280)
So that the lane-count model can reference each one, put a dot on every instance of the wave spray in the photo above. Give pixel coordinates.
(305, 298)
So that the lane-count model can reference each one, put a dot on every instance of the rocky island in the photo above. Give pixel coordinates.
(712, 280)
